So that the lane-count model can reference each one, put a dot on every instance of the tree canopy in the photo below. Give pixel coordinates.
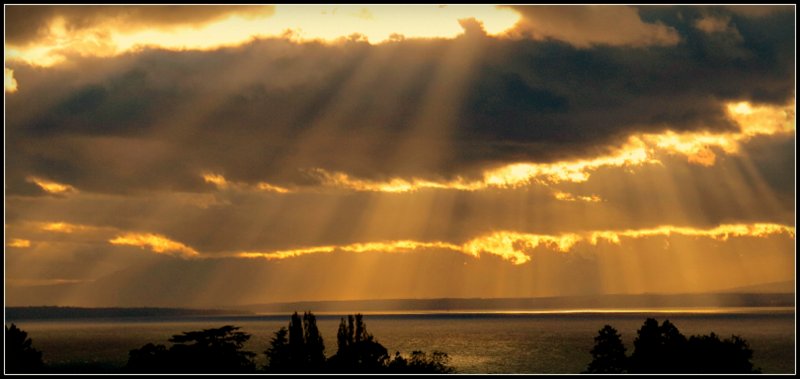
(216, 350)
(21, 357)
(608, 353)
(663, 349)
(300, 349)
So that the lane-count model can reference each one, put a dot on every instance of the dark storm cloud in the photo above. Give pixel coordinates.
(270, 110)
(759, 10)
(584, 26)
(26, 24)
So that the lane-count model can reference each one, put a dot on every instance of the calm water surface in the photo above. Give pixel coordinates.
(476, 343)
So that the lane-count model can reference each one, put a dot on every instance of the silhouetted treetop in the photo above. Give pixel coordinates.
(299, 348)
(608, 353)
(358, 351)
(207, 351)
(226, 335)
(663, 349)
(21, 357)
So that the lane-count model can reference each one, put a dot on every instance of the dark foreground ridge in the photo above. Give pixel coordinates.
(299, 348)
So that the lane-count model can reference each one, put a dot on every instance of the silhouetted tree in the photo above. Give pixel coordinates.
(21, 357)
(358, 351)
(207, 351)
(303, 351)
(149, 359)
(646, 348)
(300, 348)
(663, 349)
(315, 346)
(709, 354)
(658, 349)
(278, 355)
(608, 353)
(673, 348)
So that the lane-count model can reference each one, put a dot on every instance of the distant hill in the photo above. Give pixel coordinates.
(774, 287)
(566, 303)
(51, 313)
(598, 302)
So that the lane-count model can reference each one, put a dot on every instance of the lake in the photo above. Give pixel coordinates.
(480, 342)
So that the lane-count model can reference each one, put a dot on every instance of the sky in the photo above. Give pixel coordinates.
(208, 156)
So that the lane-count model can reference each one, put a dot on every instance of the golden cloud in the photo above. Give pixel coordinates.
(45, 36)
(64, 227)
(156, 243)
(565, 196)
(19, 243)
(512, 246)
(752, 121)
(10, 83)
(51, 186)
(722, 232)
(515, 175)
(221, 183)
(217, 180)
(266, 187)
(516, 247)
(639, 150)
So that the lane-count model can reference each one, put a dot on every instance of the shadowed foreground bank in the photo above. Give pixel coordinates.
(299, 348)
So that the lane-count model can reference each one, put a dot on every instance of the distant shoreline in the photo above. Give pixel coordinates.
(727, 303)
(710, 300)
